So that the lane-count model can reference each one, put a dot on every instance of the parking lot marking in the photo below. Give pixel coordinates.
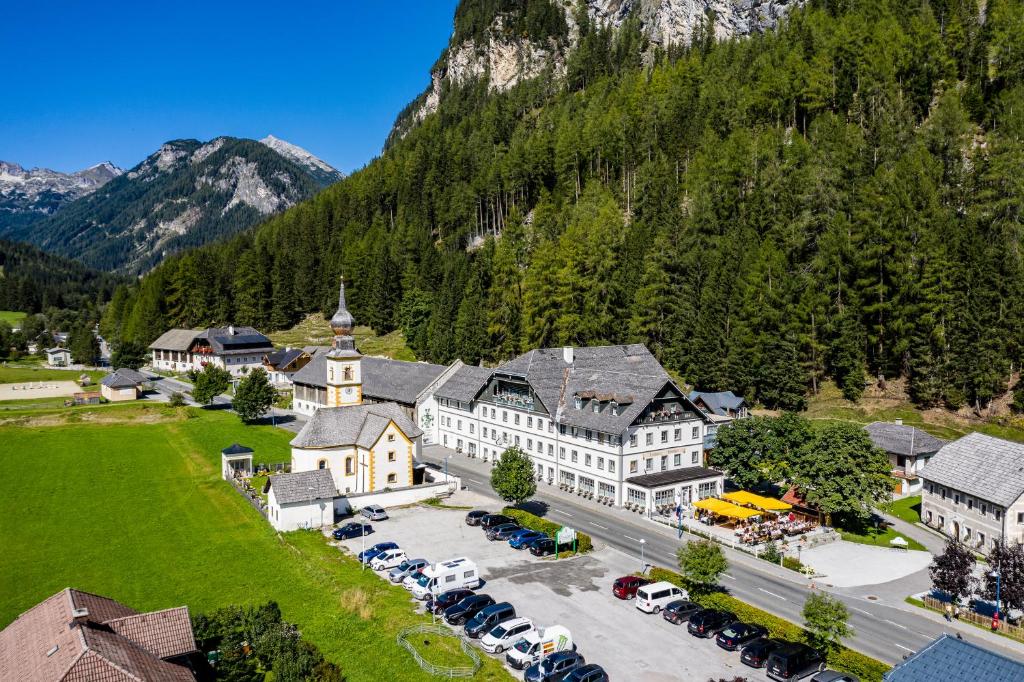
(903, 627)
(777, 596)
(559, 511)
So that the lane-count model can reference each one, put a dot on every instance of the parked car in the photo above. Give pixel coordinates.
(367, 555)
(679, 611)
(442, 601)
(353, 529)
(488, 521)
(388, 559)
(537, 644)
(502, 531)
(409, 581)
(656, 596)
(542, 546)
(474, 517)
(554, 667)
(834, 676)
(487, 617)
(737, 634)
(755, 654)
(406, 568)
(461, 611)
(374, 512)
(626, 586)
(504, 635)
(794, 662)
(708, 622)
(591, 672)
(521, 539)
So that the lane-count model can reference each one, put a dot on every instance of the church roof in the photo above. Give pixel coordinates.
(360, 425)
(383, 379)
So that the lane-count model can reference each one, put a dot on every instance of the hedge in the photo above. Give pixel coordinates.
(843, 658)
(549, 528)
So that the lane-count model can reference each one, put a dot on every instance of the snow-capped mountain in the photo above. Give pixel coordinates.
(323, 172)
(26, 194)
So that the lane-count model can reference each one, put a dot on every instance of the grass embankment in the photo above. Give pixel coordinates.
(12, 317)
(132, 506)
(843, 658)
(879, 537)
(315, 331)
(908, 509)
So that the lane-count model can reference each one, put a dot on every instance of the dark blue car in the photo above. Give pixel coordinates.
(554, 667)
(367, 555)
(352, 530)
(523, 538)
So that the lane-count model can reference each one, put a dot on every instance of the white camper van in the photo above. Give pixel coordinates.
(447, 575)
(538, 643)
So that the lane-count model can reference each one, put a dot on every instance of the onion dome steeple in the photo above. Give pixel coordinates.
(342, 323)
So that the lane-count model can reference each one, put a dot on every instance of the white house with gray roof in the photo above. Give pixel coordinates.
(236, 349)
(590, 418)
(304, 499)
(974, 491)
(909, 449)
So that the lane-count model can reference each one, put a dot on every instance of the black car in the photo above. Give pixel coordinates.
(503, 531)
(487, 618)
(794, 662)
(554, 667)
(679, 611)
(489, 520)
(442, 601)
(708, 622)
(460, 612)
(353, 529)
(474, 517)
(756, 653)
(591, 672)
(738, 634)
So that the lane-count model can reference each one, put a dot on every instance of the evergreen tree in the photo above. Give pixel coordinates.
(83, 344)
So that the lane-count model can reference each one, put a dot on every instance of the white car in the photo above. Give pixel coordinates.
(374, 512)
(389, 558)
(504, 635)
(409, 581)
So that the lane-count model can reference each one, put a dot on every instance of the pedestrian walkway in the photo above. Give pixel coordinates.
(935, 543)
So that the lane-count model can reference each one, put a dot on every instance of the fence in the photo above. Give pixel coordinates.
(251, 496)
(439, 670)
(1013, 631)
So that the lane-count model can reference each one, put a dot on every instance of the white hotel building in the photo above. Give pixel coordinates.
(602, 420)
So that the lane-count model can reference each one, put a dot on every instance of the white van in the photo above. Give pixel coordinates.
(504, 635)
(536, 644)
(447, 575)
(653, 598)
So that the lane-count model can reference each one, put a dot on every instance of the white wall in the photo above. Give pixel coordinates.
(118, 394)
(394, 498)
(297, 516)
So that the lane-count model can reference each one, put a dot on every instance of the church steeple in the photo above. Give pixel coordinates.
(344, 376)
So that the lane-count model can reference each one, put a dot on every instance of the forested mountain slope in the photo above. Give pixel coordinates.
(32, 281)
(185, 194)
(841, 195)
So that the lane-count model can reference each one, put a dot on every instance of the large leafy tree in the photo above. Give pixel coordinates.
(840, 471)
(1008, 562)
(513, 476)
(210, 383)
(748, 450)
(702, 562)
(953, 571)
(825, 618)
(254, 395)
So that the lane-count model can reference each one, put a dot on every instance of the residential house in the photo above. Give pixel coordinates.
(75, 635)
(281, 365)
(301, 500)
(58, 357)
(973, 490)
(122, 384)
(953, 659)
(590, 418)
(236, 349)
(909, 449)
(721, 407)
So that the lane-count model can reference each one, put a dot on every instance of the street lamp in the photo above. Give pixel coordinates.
(362, 538)
(643, 564)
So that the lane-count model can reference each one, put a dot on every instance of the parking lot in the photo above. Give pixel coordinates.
(573, 592)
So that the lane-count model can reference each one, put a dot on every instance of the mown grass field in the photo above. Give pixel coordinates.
(126, 501)
(12, 317)
(314, 331)
(21, 372)
(908, 509)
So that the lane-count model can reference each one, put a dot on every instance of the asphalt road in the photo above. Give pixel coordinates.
(884, 632)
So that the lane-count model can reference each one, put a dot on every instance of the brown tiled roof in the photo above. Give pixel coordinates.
(113, 642)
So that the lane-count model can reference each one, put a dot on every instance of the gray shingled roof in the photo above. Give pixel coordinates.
(123, 378)
(383, 378)
(176, 339)
(980, 465)
(464, 383)
(358, 425)
(282, 357)
(900, 439)
(719, 402)
(303, 486)
(949, 659)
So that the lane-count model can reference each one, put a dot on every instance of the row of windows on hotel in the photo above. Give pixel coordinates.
(969, 501)
(677, 433)
(602, 489)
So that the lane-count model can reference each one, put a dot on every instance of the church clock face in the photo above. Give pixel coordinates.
(348, 390)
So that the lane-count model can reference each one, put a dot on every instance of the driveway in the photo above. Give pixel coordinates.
(573, 592)
(848, 564)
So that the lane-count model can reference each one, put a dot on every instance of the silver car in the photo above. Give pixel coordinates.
(833, 676)
(374, 512)
(406, 568)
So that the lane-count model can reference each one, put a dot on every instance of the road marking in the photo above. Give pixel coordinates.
(772, 594)
(902, 627)
(866, 613)
(559, 511)
(726, 575)
(599, 525)
(630, 538)
(904, 648)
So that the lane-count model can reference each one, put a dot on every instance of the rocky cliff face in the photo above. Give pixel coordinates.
(28, 194)
(506, 59)
(185, 194)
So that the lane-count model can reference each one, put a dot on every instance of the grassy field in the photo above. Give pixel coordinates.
(11, 317)
(314, 331)
(908, 509)
(126, 501)
(878, 537)
(21, 372)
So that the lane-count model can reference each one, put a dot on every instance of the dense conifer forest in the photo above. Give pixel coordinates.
(842, 197)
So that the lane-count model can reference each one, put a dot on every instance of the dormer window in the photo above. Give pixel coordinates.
(615, 408)
(597, 406)
(579, 403)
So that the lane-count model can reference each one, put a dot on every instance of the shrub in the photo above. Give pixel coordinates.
(177, 400)
(792, 563)
(527, 520)
(771, 553)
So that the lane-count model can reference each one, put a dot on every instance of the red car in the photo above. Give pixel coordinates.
(626, 586)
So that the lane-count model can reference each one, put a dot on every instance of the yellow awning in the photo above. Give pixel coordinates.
(723, 508)
(765, 503)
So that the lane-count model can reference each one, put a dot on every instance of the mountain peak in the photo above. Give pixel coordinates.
(319, 168)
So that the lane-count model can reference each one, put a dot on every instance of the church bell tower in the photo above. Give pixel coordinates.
(344, 378)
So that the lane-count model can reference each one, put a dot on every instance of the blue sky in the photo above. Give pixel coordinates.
(86, 82)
